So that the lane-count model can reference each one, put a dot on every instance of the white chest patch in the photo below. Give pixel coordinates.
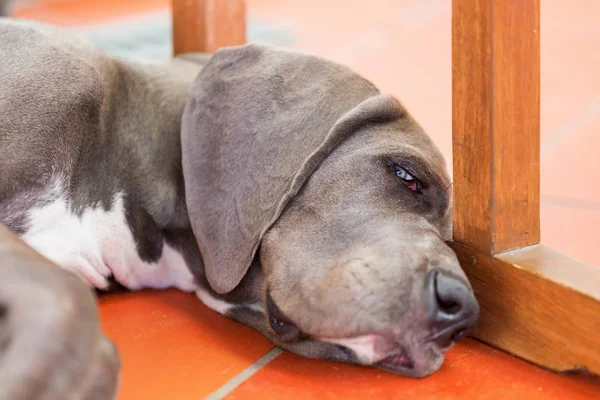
(99, 243)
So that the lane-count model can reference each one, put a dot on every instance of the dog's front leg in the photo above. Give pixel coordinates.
(51, 345)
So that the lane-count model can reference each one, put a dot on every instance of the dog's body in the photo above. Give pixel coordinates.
(282, 188)
(95, 199)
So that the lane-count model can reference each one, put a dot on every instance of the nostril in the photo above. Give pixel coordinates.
(280, 324)
(449, 307)
(452, 296)
(446, 301)
(451, 301)
(454, 309)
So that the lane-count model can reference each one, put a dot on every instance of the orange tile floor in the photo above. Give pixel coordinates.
(174, 348)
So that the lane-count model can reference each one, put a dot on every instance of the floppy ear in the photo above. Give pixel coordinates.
(258, 122)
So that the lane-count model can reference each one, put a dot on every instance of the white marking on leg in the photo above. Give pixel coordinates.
(99, 243)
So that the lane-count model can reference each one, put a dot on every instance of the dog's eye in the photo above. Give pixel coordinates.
(407, 178)
(280, 324)
(404, 175)
(282, 328)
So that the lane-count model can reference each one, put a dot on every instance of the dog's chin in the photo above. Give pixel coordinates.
(416, 361)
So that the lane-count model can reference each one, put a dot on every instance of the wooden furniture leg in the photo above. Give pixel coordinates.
(206, 25)
(535, 302)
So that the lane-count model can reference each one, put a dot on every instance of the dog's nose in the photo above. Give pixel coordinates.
(453, 307)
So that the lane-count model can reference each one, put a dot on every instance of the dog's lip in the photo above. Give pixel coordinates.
(415, 361)
(399, 362)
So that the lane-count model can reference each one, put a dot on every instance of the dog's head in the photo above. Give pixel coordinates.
(339, 200)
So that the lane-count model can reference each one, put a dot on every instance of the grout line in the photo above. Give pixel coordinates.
(243, 376)
(568, 202)
(571, 127)
(409, 18)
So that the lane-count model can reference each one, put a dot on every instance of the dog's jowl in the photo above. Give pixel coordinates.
(284, 189)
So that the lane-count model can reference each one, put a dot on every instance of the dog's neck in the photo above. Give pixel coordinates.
(138, 154)
(137, 151)
(154, 180)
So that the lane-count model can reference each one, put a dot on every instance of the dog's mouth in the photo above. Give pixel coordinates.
(417, 362)
(386, 351)
(400, 362)
(380, 351)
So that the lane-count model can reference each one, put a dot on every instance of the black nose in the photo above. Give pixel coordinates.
(453, 308)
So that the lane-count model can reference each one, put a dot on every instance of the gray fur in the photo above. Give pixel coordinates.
(106, 124)
(278, 176)
(295, 154)
(51, 345)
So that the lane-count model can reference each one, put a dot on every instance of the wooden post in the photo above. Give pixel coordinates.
(535, 302)
(496, 123)
(206, 25)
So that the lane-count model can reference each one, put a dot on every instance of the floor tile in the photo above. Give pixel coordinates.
(405, 67)
(76, 12)
(569, 66)
(472, 371)
(570, 170)
(173, 347)
(322, 26)
(570, 227)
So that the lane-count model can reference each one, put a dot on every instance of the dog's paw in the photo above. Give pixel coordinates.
(51, 344)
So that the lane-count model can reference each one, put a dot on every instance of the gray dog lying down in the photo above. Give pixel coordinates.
(282, 188)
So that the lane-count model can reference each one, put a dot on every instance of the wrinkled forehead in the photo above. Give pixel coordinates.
(402, 141)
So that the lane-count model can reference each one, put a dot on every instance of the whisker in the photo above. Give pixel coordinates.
(438, 334)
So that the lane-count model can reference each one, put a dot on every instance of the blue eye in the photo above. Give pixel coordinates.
(404, 175)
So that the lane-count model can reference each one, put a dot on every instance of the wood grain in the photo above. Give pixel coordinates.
(206, 25)
(496, 123)
(538, 305)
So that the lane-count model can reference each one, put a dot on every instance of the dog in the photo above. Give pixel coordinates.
(5, 8)
(283, 189)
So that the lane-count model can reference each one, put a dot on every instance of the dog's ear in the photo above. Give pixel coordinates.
(258, 122)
